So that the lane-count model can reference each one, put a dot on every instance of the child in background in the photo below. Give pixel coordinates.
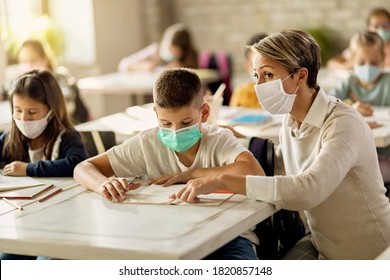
(245, 95)
(378, 21)
(368, 85)
(42, 141)
(175, 50)
(181, 148)
(35, 55)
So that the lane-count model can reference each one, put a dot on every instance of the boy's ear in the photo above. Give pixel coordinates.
(303, 74)
(205, 112)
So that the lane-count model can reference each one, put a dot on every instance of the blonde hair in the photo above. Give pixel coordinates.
(366, 39)
(293, 49)
(42, 49)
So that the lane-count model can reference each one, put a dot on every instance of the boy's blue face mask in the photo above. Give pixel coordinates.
(179, 140)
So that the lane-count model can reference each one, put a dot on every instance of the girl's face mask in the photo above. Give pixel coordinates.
(33, 129)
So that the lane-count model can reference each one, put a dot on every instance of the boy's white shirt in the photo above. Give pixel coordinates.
(146, 154)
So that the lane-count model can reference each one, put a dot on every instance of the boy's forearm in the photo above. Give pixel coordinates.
(89, 176)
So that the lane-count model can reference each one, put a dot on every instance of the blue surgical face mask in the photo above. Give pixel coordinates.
(367, 73)
(384, 34)
(166, 55)
(179, 140)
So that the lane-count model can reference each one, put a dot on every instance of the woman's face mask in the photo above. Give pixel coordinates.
(33, 129)
(273, 98)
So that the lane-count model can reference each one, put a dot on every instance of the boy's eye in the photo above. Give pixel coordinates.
(255, 76)
(186, 123)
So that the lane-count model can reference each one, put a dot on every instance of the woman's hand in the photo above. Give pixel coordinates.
(16, 168)
(196, 187)
(170, 179)
(114, 189)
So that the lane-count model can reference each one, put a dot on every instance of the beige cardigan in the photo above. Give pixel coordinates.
(332, 173)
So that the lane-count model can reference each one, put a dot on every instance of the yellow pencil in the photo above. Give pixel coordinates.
(13, 204)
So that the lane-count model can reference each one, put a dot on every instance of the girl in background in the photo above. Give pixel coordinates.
(175, 50)
(35, 55)
(368, 85)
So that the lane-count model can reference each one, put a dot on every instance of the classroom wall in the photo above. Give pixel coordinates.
(227, 24)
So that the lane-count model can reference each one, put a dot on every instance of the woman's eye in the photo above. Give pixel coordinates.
(186, 123)
(268, 75)
(256, 76)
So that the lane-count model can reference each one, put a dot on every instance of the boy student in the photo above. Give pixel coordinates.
(181, 148)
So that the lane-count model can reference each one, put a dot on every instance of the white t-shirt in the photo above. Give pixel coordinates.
(145, 154)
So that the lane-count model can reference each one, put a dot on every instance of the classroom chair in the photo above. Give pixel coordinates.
(280, 232)
(97, 142)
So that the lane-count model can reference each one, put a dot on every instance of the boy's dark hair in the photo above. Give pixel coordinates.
(177, 88)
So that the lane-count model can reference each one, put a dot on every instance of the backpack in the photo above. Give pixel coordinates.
(220, 61)
(280, 232)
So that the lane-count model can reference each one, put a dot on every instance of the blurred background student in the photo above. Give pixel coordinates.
(378, 21)
(34, 54)
(175, 50)
(244, 95)
(3, 65)
(368, 85)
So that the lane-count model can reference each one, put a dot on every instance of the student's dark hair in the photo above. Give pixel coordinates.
(253, 40)
(182, 39)
(177, 88)
(42, 87)
(293, 49)
(376, 12)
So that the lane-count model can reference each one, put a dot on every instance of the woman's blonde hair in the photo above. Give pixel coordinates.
(294, 49)
(366, 39)
(42, 87)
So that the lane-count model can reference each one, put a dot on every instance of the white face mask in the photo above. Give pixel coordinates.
(32, 129)
(273, 98)
(367, 73)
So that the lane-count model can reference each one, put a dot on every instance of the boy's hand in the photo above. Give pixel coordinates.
(170, 179)
(114, 189)
(16, 168)
(196, 187)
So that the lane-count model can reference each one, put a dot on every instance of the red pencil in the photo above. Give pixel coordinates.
(50, 195)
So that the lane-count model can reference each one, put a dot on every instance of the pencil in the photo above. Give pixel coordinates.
(13, 204)
(16, 197)
(49, 195)
(42, 191)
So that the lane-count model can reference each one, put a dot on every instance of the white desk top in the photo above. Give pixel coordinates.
(132, 82)
(85, 226)
(138, 118)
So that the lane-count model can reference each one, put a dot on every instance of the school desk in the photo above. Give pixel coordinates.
(85, 226)
(138, 118)
(114, 92)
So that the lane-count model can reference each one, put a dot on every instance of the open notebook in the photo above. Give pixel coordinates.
(13, 182)
(156, 194)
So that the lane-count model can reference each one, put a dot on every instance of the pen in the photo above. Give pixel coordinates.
(49, 195)
(13, 204)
